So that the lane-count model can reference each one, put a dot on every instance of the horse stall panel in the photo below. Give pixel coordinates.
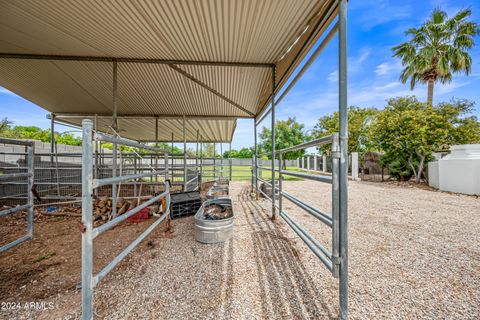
(16, 179)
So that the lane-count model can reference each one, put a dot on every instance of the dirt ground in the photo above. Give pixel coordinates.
(414, 253)
(50, 264)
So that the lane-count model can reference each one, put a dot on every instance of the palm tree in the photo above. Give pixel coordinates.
(437, 49)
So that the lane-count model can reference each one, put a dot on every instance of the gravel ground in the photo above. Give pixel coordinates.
(414, 253)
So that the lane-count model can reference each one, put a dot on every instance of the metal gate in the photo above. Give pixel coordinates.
(25, 171)
(335, 260)
(89, 233)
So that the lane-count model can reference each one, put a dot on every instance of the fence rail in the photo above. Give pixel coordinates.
(57, 175)
(335, 259)
(29, 152)
(89, 233)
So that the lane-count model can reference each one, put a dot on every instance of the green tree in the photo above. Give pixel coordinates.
(437, 49)
(244, 153)
(209, 151)
(36, 133)
(359, 124)
(408, 131)
(4, 125)
(288, 133)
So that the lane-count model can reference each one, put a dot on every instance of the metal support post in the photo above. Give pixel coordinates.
(343, 115)
(52, 134)
(114, 174)
(166, 164)
(171, 155)
(56, 169)
(214, 161)
(196, 151)
(324, 163)
(114, 149)
(230, 160)
(335, 204)
(96, 171)
(31, 172)
(156, 145)
(273, 141)
(280, 178)
(255, 157)
(52, 145)
(134, 172)
(87, 223)
(184, 157)
(221, 160)
(201, 160)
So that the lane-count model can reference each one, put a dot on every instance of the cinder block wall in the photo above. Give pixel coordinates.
(41, 148)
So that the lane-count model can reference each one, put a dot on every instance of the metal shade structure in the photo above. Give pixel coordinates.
(177, 71)
(143, 129)
(209, 58)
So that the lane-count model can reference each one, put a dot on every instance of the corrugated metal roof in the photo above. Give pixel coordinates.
(263, 32)
(143, 129)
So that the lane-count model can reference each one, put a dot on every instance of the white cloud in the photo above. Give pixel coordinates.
(333, 76)
(364, 55)
(387, 86)
(441, 90)
(374, 13)
(355, 63)
(388, 67)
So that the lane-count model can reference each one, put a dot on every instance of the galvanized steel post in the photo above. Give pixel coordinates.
(343, 115)
(166, 164)
(196, 151)
(335, 205)
(114, 148)
(134, 172)
(52, 134)
(221, 159)
(184, 157)
(114, 174)
(201, 160)
(273, 141)
(96, 171)
(30, 166)
(171, 155)
(156, 145)
(280, 177)
(255, 156)
(52, 144)
(214, 161)
(230, 161)
(87, 223)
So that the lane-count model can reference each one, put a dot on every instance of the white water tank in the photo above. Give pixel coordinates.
(460, 170)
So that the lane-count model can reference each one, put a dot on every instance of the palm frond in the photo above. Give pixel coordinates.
(438, 16)
(438, 48)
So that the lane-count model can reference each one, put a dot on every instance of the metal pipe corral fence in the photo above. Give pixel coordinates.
(89, 279)
(29, 175)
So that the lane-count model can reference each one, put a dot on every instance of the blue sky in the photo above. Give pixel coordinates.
(374, 27)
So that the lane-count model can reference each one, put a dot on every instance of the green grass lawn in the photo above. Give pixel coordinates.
(244, 173)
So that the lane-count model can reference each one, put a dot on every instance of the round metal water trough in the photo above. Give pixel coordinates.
(214, 231)
(217, 191)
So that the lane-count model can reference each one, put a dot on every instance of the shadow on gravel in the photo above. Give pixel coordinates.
(286, 287)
